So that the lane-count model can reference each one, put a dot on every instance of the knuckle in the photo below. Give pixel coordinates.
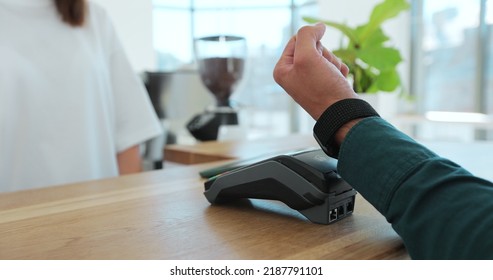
(304, 29)
(303, 64)
(278, 75)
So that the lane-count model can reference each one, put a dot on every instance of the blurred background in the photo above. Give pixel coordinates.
(446, 45)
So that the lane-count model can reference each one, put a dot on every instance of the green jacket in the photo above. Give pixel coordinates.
(440, 210)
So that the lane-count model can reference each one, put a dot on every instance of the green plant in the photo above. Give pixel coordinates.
(372, 64)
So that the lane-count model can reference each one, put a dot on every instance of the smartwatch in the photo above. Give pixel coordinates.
(334, 117)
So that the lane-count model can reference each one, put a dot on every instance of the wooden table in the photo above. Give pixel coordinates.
(213, 151)
(164, 215)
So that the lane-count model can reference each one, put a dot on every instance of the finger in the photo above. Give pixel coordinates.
(320, 48)
(331, 57)
(336, 61)
(285, 62)
(288, 52)
(307, 38)
(344, 70)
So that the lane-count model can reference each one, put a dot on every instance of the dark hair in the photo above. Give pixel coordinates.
(73, 12)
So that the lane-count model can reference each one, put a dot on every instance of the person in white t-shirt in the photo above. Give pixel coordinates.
(71, 107)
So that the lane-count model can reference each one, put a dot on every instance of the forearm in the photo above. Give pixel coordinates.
(129, 160)
(426, 198)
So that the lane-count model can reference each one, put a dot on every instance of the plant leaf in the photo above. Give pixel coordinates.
(388, 80)
(363, 79)
(381, 58)
(382, 12)
(348, 56)
(377, 38)
(346, 30)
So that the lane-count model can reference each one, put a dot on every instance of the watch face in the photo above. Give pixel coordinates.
(328, 150)
(323, 146)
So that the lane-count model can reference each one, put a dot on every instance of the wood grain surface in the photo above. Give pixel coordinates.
(164, 215)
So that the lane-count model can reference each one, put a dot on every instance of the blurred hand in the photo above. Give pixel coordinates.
(313, 76)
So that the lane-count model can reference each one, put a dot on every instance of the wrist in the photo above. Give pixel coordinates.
(335, 122)
(340, 135)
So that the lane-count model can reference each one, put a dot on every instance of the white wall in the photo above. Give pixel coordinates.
(133, 22)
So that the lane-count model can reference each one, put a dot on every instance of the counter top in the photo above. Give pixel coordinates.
(164, 215)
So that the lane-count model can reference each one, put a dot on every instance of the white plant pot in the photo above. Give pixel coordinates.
(385, 103)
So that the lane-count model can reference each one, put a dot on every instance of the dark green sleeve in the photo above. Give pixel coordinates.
(440, 210)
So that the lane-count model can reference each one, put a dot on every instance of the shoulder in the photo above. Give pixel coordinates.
(97, 14)
(96, 9)
(100, 24)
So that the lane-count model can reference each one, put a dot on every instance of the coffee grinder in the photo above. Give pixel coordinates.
(221, 61)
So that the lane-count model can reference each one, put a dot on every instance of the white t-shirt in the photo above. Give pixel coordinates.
(69, 99)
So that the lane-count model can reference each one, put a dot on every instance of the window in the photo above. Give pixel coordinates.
(453, 65)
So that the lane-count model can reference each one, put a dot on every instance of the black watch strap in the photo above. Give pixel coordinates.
(334, 117)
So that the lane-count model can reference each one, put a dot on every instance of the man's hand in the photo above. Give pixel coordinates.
(313, 76)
